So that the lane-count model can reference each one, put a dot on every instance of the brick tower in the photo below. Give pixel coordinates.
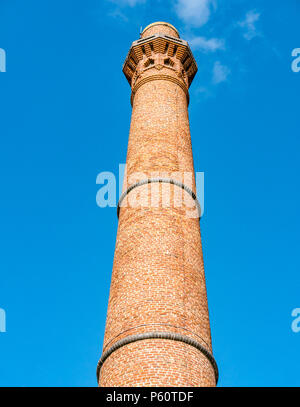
(157, 328)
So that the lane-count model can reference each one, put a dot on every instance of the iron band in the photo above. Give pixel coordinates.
(155, 324)
(162, 180)
(158, 335)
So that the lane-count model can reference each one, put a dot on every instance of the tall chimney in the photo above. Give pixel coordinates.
(157, 329)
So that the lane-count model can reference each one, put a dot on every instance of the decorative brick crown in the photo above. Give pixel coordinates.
(160, 51)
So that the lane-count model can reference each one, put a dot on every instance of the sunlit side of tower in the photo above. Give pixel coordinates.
(157, 329)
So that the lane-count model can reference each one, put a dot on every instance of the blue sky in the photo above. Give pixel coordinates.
(64, 118)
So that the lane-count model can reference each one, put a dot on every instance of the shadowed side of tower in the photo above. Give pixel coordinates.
(157, 329)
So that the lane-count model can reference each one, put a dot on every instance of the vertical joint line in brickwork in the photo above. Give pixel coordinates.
(160, 180)
(158, 335)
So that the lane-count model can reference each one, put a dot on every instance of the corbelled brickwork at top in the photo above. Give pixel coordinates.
(160, 46)
(157, 329)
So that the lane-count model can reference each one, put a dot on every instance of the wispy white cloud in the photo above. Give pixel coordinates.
(207, 45)
(203, 92)
(220, 73)
(117, 13)
(249, 24)
(130, 3)
(194, 12)
(120, 5)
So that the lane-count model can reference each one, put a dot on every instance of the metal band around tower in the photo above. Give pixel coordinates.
(158, 335)
(157, 78)
(159, 180)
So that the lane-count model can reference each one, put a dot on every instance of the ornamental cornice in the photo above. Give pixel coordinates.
(160, 51)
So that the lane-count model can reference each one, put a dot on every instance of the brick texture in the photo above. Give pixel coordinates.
(158, 281)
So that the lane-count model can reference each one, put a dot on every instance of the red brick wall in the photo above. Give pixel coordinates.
(160, 27)
(158, 282)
